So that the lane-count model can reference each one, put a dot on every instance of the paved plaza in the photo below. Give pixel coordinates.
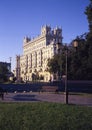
(76, 99)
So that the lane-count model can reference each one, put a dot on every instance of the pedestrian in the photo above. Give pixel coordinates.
(1, 93)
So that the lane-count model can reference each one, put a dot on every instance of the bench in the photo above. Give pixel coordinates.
(49, 89)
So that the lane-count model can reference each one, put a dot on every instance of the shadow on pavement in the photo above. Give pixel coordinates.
(22, 97)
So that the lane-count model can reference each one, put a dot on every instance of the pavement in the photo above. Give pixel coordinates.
(76, 99)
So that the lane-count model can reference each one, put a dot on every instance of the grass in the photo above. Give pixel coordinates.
(44, 116)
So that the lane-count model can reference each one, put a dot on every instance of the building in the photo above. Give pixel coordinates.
(36, 52)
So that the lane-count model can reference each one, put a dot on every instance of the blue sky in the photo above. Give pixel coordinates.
(19, 18)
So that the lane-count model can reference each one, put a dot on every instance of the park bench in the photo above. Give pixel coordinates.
(49, 89)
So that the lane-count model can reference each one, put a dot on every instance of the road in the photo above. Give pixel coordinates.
(75, 99)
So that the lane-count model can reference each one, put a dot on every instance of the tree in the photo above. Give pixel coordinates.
(80, 66)
(53, 65)
(3, 71)
(88, 12)
(77, 60)
(80, 59)
(56, 65)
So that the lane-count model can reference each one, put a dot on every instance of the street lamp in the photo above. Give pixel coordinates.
(75, 44)
(66, 88)
(65, 78)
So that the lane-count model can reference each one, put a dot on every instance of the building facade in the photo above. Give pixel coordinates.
(36, 52)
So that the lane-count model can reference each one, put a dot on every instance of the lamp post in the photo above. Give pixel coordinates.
(65, 78)
(75, 44)
(66, 87)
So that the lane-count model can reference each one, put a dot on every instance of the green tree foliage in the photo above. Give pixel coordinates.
(53, 64)
(77, 60)
(57, 63)
(79, 63)
(81, 59)
(88, 12)
(3, 72)
(3, 69)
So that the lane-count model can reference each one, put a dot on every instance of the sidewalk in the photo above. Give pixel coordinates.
(77, 99)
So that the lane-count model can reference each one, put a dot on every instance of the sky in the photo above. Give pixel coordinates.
(20, 18)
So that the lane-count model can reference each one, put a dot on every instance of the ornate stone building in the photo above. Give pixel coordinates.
(36, 52)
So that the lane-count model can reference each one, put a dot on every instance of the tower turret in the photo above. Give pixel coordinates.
(45, 30)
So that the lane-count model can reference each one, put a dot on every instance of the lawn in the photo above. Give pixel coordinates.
(44, 116)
